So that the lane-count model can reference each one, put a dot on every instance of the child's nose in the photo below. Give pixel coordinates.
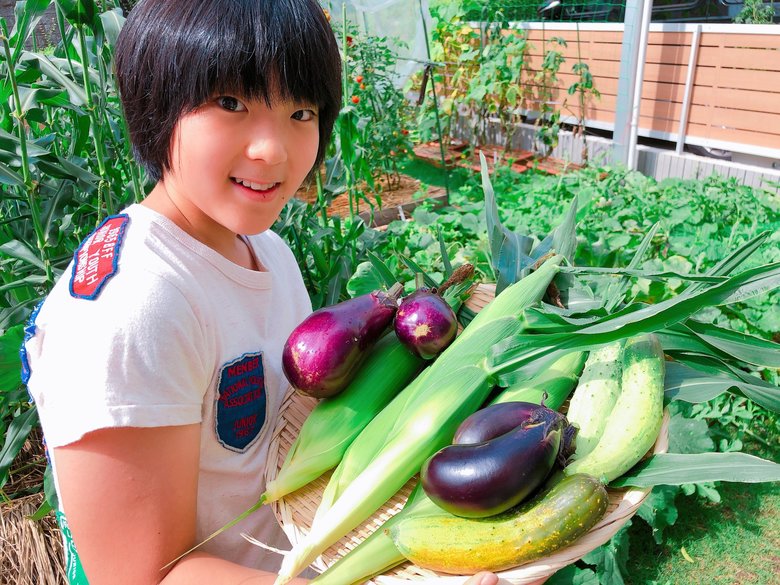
(268, 147)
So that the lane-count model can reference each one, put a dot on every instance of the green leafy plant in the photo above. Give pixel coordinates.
(65, 163)
(756, 12)
(548, 121)
(496, 89)
(585, 91)
(454, 62)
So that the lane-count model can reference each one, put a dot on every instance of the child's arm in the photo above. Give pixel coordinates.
(130, 498)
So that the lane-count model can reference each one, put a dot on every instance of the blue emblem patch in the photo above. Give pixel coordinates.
(241, 402)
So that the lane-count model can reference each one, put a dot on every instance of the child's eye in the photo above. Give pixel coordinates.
(230, 103)
(304, 115)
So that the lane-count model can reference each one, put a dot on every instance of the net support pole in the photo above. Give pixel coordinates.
(635, 29)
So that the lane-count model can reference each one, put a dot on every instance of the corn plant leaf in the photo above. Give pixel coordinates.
(26, 17)
(523, 349)
(10, 143)
(20, 251)
(10, 363)
(112, 22)
(76, 93)
(730, 378)
(508, 250)
(16, 435)
(733, 260)
(8, 176)
(385, 274)
(417, 269)
(62, 168)
(29, 280)
(562, 240)
(723, 343)
(655, 276)
(678, 468)
(617, 291)
(445, 257)
(747, 348)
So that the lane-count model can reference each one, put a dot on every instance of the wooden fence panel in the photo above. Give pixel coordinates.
(735, 93)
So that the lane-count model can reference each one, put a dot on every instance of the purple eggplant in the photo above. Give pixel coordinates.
(425, 323)
(324, 352)
(493, 421)
(484, 479)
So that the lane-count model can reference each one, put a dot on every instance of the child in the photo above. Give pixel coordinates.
(155, 361)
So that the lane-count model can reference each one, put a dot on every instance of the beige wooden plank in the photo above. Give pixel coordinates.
(736, 99)
(667, 73)
(595, 52)
(737, 136)
(611, 36)
(767, 81)
(604, 36)
(762, 59)
(740, 40)
(738, 119)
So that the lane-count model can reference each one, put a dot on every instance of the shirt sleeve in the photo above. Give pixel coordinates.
(133, 357)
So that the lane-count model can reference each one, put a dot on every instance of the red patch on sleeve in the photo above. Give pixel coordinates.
(96, 259)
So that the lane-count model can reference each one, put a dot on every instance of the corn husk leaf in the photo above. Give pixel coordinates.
(679, 468)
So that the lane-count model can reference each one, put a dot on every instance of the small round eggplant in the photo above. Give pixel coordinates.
(323, 353)
(425, 323)
(493, 421)
(476, 481)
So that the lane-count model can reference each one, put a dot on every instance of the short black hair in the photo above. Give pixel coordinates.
(172, 56)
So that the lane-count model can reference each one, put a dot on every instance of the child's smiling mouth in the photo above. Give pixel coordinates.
(254, 186)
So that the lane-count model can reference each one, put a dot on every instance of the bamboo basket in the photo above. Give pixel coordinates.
(296, 511)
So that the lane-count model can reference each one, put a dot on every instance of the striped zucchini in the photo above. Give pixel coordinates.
(463, 546)
(635, 421)
(595, 396)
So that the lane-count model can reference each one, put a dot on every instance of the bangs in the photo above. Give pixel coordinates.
(260, 50)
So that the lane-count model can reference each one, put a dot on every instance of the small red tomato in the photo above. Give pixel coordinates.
(392, 153)
(404, 132)
(359, 79)
(362, 86)
(355, 99)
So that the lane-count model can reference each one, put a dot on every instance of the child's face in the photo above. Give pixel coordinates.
(236, 162)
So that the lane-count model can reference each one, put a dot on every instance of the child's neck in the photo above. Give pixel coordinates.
(228, 244)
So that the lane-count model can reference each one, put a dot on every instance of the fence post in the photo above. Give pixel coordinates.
(629, 87)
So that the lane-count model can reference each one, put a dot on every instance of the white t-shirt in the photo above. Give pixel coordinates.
(149, 327)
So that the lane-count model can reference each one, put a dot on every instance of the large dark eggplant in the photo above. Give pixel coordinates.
(484, 479)
(493, 421)
(324, 352)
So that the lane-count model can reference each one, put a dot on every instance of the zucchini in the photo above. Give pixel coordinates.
(463, 546)
(595, 396)
(635, 421)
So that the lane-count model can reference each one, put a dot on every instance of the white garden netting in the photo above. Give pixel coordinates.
(402, 22)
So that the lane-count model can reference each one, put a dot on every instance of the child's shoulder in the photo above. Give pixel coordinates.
(125, 261)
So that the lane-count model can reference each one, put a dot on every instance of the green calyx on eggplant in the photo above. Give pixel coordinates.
(486, 478)
(425, 323)
(322, 355)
